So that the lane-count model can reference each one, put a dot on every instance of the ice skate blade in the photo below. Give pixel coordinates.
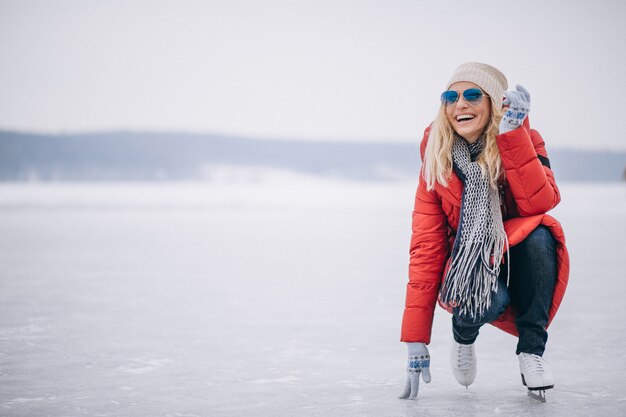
(538, 395)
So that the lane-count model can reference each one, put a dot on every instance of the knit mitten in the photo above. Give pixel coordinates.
(419, 363)
(519, 106)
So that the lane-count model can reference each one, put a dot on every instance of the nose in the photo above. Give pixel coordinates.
(461, 103)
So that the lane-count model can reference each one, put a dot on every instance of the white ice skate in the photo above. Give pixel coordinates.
(535, 375)
(463, 362)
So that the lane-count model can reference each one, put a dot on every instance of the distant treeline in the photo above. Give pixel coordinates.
(180, 156)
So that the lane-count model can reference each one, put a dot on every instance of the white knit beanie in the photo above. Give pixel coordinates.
(490, 79)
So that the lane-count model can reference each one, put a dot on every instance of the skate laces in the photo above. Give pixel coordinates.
(534, 364)
(464, 357)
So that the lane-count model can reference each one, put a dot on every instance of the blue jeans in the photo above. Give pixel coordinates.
(533, 269)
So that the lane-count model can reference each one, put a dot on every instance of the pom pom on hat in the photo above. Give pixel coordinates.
(490, 79)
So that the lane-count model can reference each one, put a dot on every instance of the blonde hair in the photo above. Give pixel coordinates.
(437, 165)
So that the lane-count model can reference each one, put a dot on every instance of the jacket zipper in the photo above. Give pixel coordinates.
(502, 201)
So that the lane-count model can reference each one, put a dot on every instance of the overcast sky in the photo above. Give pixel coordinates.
(319, 69)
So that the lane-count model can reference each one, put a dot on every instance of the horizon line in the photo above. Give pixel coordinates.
(278, 138)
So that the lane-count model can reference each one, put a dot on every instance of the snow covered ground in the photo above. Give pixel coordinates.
(269, 295)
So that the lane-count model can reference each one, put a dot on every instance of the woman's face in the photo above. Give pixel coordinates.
(468, 120)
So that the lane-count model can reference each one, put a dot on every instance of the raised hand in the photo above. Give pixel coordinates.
(516, 105)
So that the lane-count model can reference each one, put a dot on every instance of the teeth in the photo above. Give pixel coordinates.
(462, 117)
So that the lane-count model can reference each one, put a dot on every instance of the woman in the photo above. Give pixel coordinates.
(482, 244)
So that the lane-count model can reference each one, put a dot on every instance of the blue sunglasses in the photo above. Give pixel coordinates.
(471, 95)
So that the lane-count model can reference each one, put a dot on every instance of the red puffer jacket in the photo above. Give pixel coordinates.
(529, 192)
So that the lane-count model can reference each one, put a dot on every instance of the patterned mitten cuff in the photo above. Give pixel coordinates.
(418, 357)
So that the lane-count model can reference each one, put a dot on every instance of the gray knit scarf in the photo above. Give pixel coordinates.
(480, 240)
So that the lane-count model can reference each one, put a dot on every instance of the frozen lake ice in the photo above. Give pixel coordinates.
(270, 296)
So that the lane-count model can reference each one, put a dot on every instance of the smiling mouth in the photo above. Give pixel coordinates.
(464, 118)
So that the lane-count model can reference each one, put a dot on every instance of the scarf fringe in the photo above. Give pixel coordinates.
(473, 275)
